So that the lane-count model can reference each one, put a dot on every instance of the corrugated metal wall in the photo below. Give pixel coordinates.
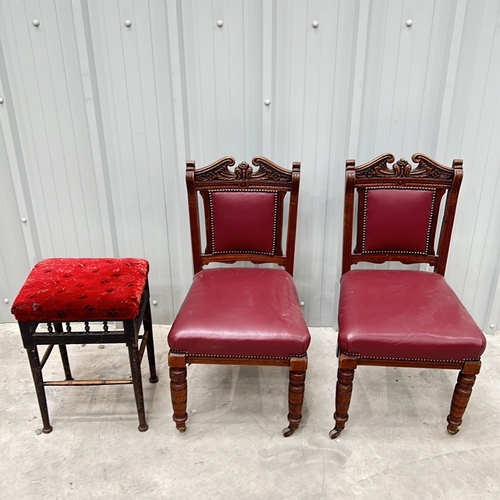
(98, 119)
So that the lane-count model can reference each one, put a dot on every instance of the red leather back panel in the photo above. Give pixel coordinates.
(397, 220)
(243, 222)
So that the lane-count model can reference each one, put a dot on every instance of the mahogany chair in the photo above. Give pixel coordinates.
(241, 315)
(402, 318)
(85, 301)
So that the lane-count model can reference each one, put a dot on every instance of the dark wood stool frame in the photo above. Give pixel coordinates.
(56, 335)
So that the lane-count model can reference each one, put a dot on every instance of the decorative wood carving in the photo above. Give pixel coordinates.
(426, 167)
(219, 171)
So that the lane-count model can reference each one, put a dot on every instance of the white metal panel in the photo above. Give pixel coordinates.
(14, 264)
(145, 166)
(314, 80)
(103, 116)
(472, 134)
(46, 83)
(223, 75)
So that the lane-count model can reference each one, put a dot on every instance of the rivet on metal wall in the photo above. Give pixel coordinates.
(128, 23)
(1, 100)
(302, 303)
(492, 326)
(24, 219)
(220, 23)
(155, 302)
(409, 23)
(315, 24)
(267, 102)
(6, 301)
(35, 23)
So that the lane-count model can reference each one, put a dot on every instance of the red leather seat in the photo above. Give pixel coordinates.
(241, 315)
(241, 312)
(403, 318)
(405, 315)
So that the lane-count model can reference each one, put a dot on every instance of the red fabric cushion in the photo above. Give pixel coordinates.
(243, 222)
(241, 312)
(397, 220)
(405, 314)
(82, 290)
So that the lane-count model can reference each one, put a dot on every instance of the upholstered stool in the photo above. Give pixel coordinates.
(65, 291)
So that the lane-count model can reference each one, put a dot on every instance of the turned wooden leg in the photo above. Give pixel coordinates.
(345, 376)
(296, 389)
(461, 395)
(178, 389)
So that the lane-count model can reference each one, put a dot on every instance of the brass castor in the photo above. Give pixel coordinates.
(335, 433)
(287, 431)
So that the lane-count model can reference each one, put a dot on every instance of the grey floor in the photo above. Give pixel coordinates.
(395, 444)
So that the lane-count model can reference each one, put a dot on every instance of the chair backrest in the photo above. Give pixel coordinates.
(398, 211)
(244, 211)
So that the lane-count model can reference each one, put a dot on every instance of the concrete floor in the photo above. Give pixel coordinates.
(395, 444)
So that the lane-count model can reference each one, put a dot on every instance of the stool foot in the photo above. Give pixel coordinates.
(47, 430)
(153, 380)
(143, 428)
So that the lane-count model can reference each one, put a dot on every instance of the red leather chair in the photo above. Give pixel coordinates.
(241, 315)
(402, 318)
(77, 299)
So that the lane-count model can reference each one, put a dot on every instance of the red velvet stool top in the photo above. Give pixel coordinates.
(241, 312)
(82, 290)
(405, 315)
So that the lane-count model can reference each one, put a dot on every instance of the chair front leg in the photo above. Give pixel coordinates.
(345, 376)
(296, 389)
(461, 394)
(178, 389)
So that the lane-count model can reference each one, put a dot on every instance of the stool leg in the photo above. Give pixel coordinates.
(135, 368)
(65, 361)
(148, 330)
(36, 371)
(64, 353)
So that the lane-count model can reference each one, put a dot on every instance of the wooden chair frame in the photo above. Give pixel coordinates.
(427, 174)
(217, 176)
